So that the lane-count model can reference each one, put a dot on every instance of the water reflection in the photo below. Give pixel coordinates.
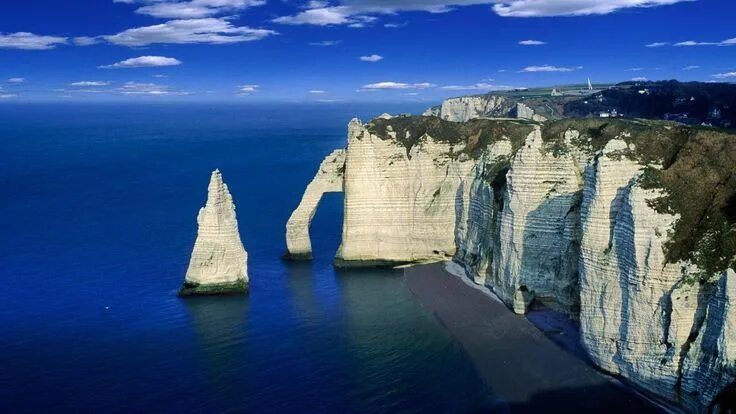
(221, 324)
(396, 345)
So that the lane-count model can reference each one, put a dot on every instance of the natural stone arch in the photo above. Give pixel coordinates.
(329, 179)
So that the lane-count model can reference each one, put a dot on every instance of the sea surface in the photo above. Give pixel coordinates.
(98, 207)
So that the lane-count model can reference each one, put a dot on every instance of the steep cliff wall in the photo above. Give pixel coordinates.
(465, 108)
(405, 189)
(628, 226)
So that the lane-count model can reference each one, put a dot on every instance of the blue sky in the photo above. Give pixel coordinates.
(350, 50)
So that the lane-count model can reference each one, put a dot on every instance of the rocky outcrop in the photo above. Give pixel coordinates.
(219, 262)
(399, 202)
(589, 217)
(329, 178)
(465, 108)
(525, 112)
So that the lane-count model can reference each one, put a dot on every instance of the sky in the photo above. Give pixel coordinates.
(350, 50)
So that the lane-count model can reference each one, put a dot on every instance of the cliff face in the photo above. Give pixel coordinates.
(219, 262)
(389, 187)
(627, 226)
(466, 108)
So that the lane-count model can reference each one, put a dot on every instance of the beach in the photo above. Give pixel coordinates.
(527, 371)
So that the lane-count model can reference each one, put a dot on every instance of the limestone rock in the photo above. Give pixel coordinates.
(466, 108)
(219, 262)
(525, 112)
(399, 203)
(535, 255)
(710, 365)
(329, 178)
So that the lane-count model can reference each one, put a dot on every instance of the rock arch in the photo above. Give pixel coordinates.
(329, 179)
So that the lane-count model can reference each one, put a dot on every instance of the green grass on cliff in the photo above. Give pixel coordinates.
(477, 134)
(697, 175)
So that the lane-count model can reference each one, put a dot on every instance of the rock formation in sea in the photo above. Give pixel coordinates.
(627, 226)
(329, 178)
(219, 262)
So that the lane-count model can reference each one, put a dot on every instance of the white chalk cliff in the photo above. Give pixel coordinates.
(546, 216)
(465, 108)
(219, 262)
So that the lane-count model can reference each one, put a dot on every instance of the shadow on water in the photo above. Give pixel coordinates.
(220, 324)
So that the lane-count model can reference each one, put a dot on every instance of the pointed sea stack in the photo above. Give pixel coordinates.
(219, 263)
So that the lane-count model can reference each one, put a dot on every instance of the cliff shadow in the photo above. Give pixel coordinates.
(549, 259)
(594, 399)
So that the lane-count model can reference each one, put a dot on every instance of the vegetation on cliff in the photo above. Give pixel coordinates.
(694, 167)
(477, 134)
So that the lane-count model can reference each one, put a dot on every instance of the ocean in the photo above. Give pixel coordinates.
(98, 219)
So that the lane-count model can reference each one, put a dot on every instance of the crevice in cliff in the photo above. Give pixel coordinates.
(701, 313)
(725, 402)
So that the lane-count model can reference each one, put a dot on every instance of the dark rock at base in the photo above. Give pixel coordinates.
(239, 287)
(346, 264)
(296, 256)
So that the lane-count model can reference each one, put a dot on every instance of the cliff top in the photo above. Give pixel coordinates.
(477, 134)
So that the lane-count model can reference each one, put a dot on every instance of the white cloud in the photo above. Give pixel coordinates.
(248, 89)
(317, 91)
(639, 79)
(7, 95)
(690, 43)
(691, 67)
(481, 86)
(320, 16)
(544, 8)
(725, 75)
(395, 25)
(548, 68)
(143, 62)
(532, 43)
(396, 85)
(207, 30)
(657, 44)
(30, 41)
(325, 43)
(90, 83)
(350, 12)
(371, 58)
(16, 80)
(175, 9)
(147, 89)
(694, 43)
(635, 69)
(86, 40)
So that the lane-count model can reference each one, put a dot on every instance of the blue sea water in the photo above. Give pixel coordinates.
(98, 212)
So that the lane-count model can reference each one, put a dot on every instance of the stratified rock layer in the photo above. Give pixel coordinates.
(219, 262)
(328, 179)
(465, 108)
(569, 215)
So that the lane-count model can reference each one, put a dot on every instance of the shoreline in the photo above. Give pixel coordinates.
(518, 362)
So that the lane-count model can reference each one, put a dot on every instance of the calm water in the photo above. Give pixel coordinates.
(97, 220)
